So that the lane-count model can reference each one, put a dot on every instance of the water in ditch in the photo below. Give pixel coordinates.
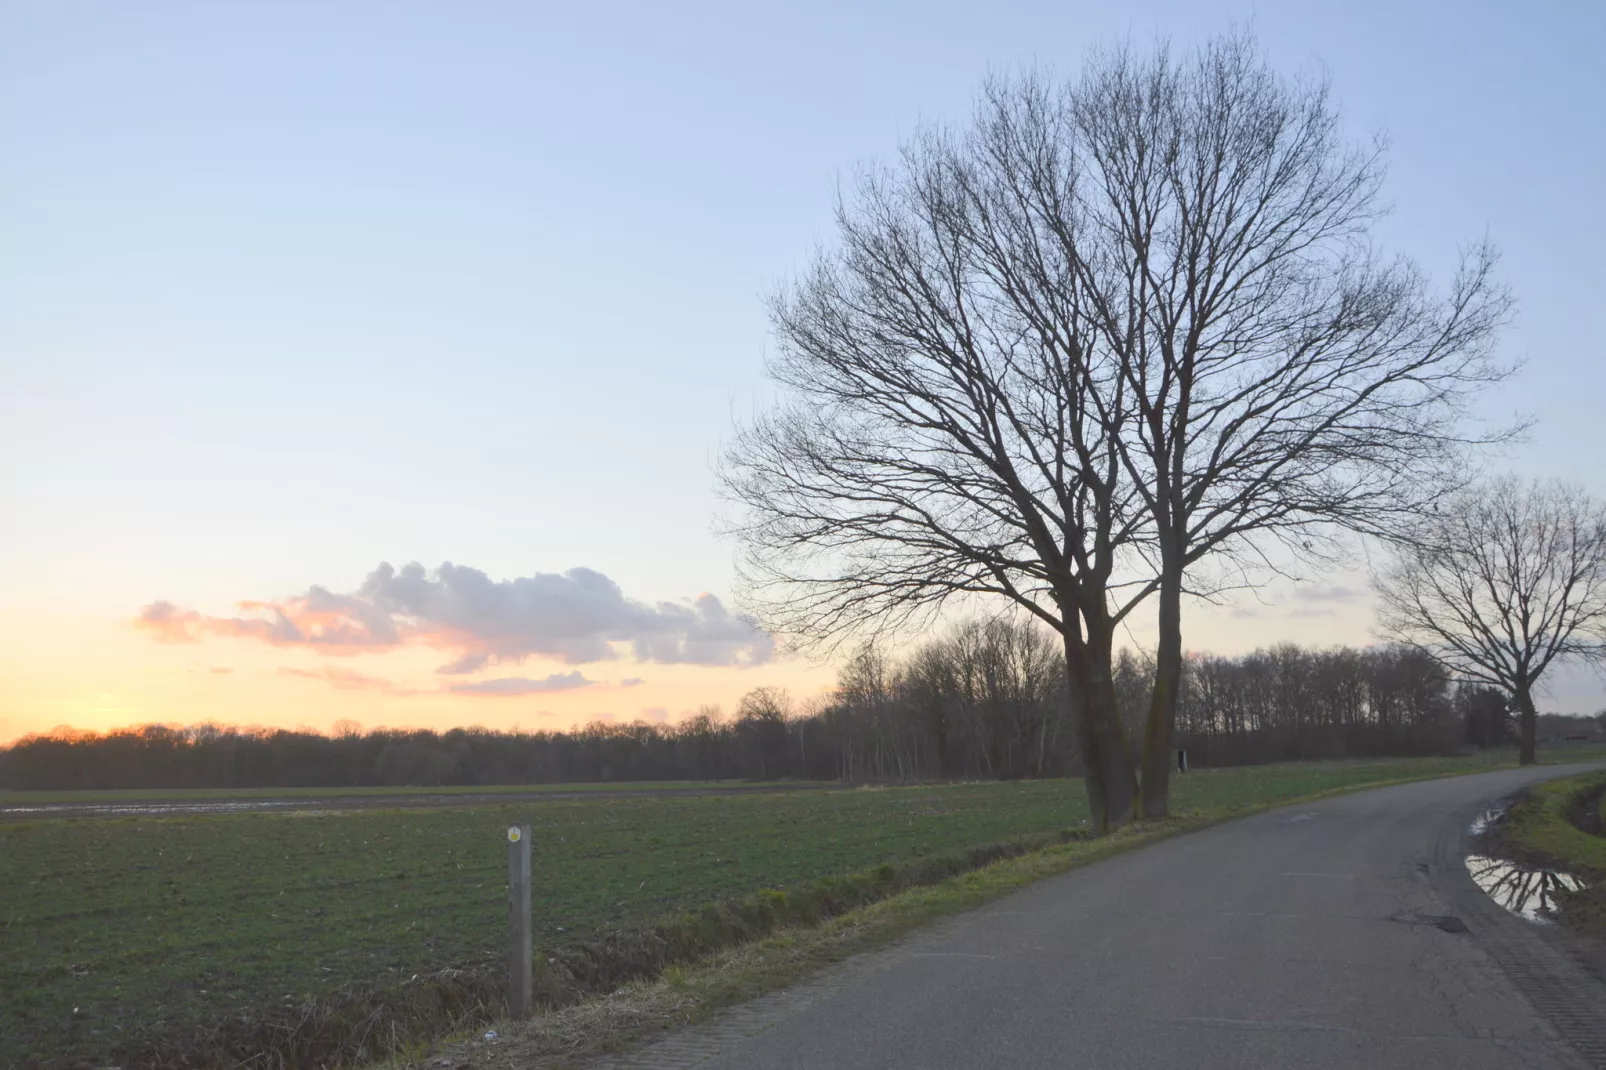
(1530, 892)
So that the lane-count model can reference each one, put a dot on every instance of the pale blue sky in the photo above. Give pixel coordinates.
(287, 289)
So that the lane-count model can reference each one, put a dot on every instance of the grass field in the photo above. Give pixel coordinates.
(117, 934)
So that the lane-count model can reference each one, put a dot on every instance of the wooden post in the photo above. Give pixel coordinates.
(520, 964)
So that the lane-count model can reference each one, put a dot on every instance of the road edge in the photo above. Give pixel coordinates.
(1560, 991)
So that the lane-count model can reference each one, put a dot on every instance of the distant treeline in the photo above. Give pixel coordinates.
(987, 701)
(991, 701)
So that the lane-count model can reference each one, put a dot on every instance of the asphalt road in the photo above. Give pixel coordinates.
(1344, 933)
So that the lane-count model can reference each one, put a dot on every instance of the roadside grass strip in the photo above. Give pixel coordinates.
(1553, 830)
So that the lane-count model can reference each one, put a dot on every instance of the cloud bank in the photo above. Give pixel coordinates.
(499, 687)
(575, 617)
(522, 685)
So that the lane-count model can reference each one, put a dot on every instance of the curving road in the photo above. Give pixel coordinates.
(1344, 933)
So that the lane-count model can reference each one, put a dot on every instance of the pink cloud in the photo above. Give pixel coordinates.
(522, 685)
(576, 617)
(329, 623)
(347, 680)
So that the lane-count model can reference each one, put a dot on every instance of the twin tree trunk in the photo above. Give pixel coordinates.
(1159, 728)
(1145, 293)
(1112, 786)
(1528, 724)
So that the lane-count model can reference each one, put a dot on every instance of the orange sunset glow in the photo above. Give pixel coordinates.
(471, 650)
(545, 652)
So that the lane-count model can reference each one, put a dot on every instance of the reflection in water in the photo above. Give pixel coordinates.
(1526, 892)
(1486, 821)
(152, 809)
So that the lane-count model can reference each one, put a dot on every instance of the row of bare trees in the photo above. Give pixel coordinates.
(990, 701)
(703, 747)
(986, 701)
(1289, 703)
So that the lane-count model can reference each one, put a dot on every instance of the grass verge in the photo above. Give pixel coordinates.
(1547, 823)
(1555, 828)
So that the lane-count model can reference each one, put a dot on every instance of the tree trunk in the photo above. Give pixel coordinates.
(1160, 728)
(1106, 758)
(1529, 725)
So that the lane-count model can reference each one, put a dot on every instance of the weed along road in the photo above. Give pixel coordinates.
(1342, 933)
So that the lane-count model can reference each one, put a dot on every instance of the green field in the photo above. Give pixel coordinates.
(117, 933)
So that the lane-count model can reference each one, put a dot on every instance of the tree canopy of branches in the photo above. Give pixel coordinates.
(1501, 582)
(986, 700)
(1118, 326)
(1287, 380)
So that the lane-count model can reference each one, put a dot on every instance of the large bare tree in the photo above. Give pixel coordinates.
(943, 434)
(1500, 582)
(1118, 326)
(1288, 381)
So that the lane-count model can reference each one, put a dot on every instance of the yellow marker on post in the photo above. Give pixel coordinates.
(520, 957)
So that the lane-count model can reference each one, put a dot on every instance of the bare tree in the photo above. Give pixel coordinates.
(1499, 583)
(943, 433)
(1287, 381)
(1117, 327)
(761, 718)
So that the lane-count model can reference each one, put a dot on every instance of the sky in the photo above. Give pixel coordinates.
(319, 317)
